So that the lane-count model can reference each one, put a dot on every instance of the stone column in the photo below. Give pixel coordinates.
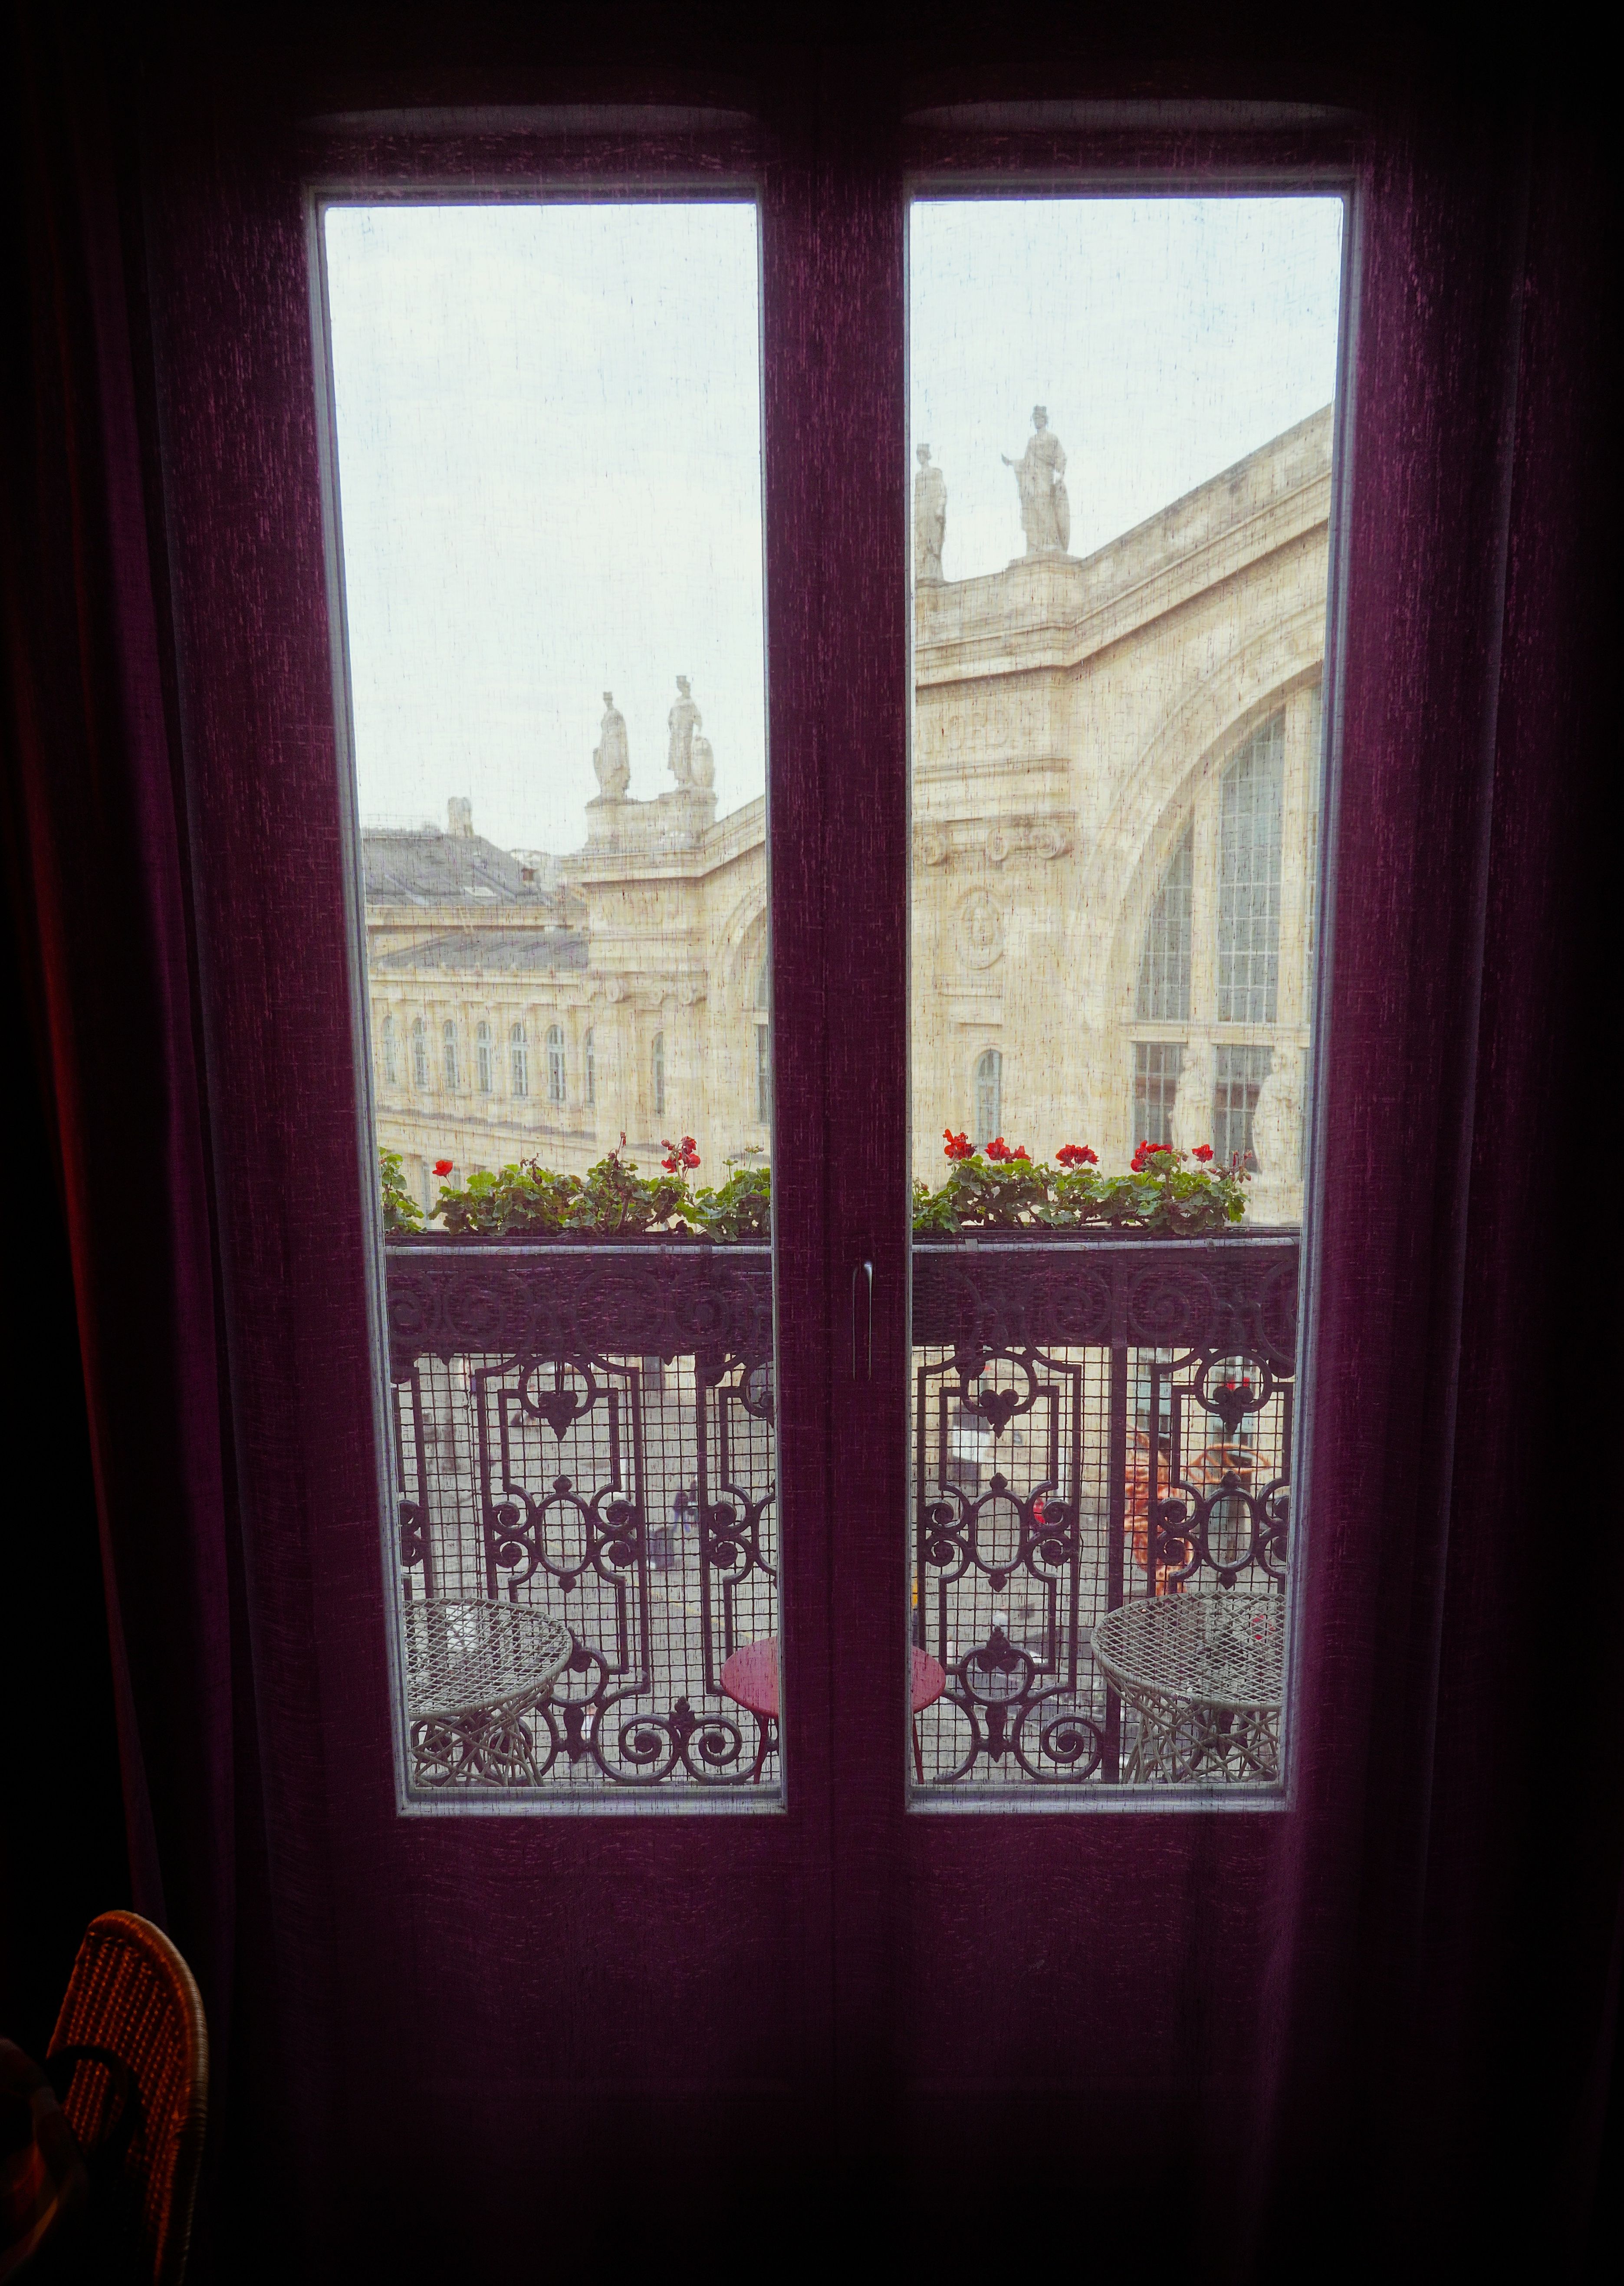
(1299, 793)
(1193, 1107)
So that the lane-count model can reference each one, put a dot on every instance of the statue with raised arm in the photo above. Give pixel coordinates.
(929, 519)
(612, 757)
(683, 720)
(1040, 474)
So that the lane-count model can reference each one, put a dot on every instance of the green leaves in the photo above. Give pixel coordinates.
(1168, 1197)
(401, 1211)
(611, 1201)
(742, 1208)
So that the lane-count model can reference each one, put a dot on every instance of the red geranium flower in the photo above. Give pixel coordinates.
(684, 1154)
(999, 1150)
(957, 1147)
(1076, 1154)
(1201, 1151)
(442, 1166)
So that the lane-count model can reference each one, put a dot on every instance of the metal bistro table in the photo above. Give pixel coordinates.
(472, 1670)
(1203, 1674)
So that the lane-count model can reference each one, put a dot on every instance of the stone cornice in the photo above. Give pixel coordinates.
(1053, 613)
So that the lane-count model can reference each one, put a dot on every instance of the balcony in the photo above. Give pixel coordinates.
(587, 1432)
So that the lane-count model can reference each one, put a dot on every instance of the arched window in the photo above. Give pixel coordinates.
(391, 1061)
(555, 1064)
(1164, 995)
(448, 1041)
(519, 1055)
(763, 1045)
(481, 1058)
(989, 1097)
(590, 1072)
(656, 1060)
(420, 1054)
(1249, 878)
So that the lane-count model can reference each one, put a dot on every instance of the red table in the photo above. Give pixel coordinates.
(750, 1679)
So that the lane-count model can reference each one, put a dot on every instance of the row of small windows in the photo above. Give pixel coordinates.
(484, 1060)
(1251, 811)
(453, 1074)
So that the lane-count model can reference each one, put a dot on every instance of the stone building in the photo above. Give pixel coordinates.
(1116, 764)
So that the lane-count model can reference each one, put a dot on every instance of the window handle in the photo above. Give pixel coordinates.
(863, 1300)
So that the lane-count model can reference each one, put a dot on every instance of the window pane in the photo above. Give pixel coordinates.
(547, 420)
(1250, 879)
(1122, 419)
(1164, 964)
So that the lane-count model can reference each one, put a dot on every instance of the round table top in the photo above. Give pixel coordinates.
(750, 1677)
(1221, 1650)
(465, 1656)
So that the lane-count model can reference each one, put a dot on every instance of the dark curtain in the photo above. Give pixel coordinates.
(125, 1611)
(1444, 1997)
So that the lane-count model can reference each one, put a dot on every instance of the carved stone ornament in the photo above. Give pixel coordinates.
(980, 931)
(933, 847)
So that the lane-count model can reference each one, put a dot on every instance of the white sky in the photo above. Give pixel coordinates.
(549, 449)
(1167, 337)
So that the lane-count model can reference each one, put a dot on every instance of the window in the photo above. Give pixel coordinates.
(510, 380)
(989, 1097)
(391, 1072)
(1156, 1066)
(1164, 964)
(420, 1054)
(1248, 880)
(1119, 598)
(1108, 850)
(1241, 1073)
(761, 1000)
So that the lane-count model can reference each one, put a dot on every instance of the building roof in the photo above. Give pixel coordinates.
(430, 867)
(506, 952)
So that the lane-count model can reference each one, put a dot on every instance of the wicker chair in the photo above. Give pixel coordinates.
(132, 1994)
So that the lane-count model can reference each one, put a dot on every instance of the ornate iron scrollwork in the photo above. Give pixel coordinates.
(1096, 1419)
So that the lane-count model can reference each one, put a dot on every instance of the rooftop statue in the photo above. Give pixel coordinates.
(612, 757)
(683, 720)
(929, 519)
(1045, 512)
(704, 763)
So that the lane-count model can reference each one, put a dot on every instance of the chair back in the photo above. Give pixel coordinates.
(131, 1994)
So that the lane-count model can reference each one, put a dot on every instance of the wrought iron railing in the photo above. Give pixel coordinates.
(590, 1430)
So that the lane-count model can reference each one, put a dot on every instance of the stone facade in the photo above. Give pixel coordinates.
(1115, 771)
